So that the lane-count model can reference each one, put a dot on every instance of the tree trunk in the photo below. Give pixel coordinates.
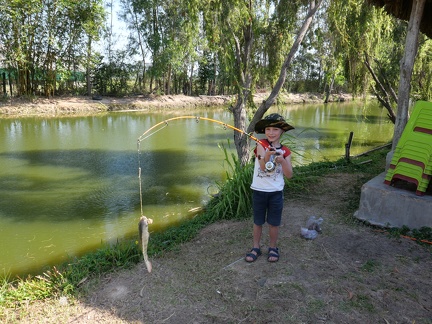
(144, 78)
(168, 80)
(10, 84)
(244, 76)
(330, 88)
(151, 84)
(4, 84)
(88, 68)
(407, 65)
(141, 46)
(240, 119)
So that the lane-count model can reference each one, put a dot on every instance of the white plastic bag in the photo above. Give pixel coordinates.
(308, 234)
(313, 227)
(314, 224)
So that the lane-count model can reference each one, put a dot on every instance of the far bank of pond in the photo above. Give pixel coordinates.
(86, 105)
(70, 184)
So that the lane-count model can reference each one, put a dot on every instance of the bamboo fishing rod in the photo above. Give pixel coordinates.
(197, 118)
(154, 129)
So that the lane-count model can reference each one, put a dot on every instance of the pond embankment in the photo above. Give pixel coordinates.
(85, 105)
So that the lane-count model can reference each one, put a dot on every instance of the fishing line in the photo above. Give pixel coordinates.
(151, 134)
(154, 129)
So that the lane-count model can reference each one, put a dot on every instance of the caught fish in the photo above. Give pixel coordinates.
(144, 238)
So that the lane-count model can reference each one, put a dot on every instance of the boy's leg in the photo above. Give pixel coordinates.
(274, 234)
(257, 231)
(259, 212)
(274, 217)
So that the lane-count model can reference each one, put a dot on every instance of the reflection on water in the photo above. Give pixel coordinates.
(322, 131)
(70, 184)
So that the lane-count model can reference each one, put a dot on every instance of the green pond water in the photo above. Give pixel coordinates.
(68, 185)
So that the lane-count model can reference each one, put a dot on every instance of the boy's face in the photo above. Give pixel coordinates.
(273, 133)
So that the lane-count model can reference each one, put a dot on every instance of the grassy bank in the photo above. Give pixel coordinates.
(232, 202)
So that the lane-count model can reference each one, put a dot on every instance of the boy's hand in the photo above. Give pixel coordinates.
(269, 153)
(273, 151)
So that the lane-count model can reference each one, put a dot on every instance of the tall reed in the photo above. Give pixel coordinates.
(234, 200)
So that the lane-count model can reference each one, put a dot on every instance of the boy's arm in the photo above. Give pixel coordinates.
(263, 156)
(286, 166)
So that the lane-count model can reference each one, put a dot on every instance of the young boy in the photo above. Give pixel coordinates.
(271, 165)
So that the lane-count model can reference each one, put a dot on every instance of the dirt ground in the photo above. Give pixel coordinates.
(351, 273)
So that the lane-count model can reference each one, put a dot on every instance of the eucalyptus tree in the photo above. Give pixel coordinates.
(207, 74)
(280, 20)
(308, 16)
(73, 42)
(182, 31)
(236, 26)
(21, 27)
(166, 31)
(92, 26)
(232, 26)
(45, 40)
(320, 42)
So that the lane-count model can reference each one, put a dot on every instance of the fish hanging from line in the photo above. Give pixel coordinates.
(144, 238)
(144, 221)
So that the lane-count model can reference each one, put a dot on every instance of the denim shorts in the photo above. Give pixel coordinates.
(267, 206)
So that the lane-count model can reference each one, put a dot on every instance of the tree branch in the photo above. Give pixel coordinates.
(384, 100)
(266, 104)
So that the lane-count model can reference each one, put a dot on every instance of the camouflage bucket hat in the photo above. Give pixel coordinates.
(272, 120)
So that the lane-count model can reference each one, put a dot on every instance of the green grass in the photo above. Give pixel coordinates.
(369, 266)
(66, 278)
(232, 202)
(362, 302)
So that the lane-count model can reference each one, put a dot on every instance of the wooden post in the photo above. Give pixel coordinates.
(348, 146)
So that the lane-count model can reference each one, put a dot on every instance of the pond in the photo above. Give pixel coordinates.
(68, 185)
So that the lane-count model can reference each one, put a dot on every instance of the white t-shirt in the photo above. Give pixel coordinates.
(269, 181)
